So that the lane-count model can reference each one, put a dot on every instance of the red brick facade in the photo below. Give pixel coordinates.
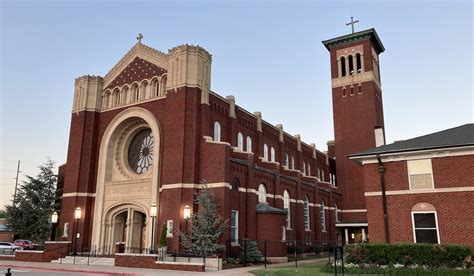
(455, 221)
(189, 157)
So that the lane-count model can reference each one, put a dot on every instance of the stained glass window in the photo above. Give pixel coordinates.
(140, 152)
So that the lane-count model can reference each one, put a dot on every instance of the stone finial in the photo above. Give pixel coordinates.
(231, 100)
(258, 114)
(313, 145)
(280, 128)
(298, 142)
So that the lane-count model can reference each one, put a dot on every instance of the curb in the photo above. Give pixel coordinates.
(69, 270)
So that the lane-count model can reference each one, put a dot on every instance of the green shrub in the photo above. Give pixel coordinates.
(291, 250)
(431, 255)
(249, 252)
(231, 260)
(163, 239)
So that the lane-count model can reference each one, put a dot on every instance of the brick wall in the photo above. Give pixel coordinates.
(454, 218)
(150, 261)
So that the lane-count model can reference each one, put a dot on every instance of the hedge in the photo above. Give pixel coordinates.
(432, 255)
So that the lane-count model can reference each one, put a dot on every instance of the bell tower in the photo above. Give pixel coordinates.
(357, 113)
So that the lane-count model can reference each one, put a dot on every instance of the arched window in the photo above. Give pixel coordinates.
(306, 213)
(287, 161)
(124, 95)
(116, 97)
(308, 171)
(265, 152)
(358, 63)
(240, 141)
(155, 88)
(304, 168)
(217, 132)
(135, 93)
(322, 175)
(336, 213)
(286, 207)
(249, 144)
(319, 174)
(163, 86)
(144, 91)
(425, 223)
(351, 65)
(272, 154)
(105, 103)
(322, 216)
(262, 194)
(235, 185)
(343, 66)
(292, 163)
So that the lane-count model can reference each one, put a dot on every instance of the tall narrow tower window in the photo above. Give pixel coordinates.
(343, 66)
(240, 141)
(351, 65)
(217, 132)
(358, 63)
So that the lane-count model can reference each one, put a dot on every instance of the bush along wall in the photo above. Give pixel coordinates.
(428, 255)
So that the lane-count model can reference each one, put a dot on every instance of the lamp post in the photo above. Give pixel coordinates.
(54, 220)
(187, 216)
(77, 216)
(153, 216)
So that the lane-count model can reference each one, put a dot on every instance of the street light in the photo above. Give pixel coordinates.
(153, 216)
(54, 220)
(77, 216)
(187, 216)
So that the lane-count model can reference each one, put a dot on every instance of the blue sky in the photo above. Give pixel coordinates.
(268, 54)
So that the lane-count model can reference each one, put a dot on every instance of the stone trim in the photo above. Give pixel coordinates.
(78, 195)
(423, 191)
(354, 211)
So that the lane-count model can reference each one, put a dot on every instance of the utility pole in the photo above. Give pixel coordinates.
(16, 182)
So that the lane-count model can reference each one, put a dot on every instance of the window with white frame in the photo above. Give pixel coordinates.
(322, 216)
(420, 174)
(304, 168)
(265, 152)
(283, 233)
(249, 144)
(286, 207)
(217, 132)
(425, 227)
(272, 154)
(336, 213)
(262, 194)
(234, 226)
(319, 174)
(240, 141)
(308, 171)
(292, 163)
(287, 160)
(306, 213)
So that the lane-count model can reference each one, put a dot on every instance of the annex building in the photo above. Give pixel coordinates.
(151, 132)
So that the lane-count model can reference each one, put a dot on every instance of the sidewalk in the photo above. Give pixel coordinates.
(128, 271)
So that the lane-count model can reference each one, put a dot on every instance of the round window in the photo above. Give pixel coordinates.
(140, 152)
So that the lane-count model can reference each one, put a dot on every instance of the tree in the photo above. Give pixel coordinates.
(29, 214)
(163, 240)
(249, 252)
(207, 226)
(3, 213)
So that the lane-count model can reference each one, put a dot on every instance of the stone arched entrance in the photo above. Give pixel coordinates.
(127, 181)
(126, 225)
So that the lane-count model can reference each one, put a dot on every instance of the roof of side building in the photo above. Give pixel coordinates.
(453, 137)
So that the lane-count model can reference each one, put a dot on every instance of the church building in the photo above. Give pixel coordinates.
(150, 133)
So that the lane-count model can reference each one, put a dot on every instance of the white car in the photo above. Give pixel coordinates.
(7, 248)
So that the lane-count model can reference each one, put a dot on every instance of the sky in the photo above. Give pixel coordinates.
(268, 54)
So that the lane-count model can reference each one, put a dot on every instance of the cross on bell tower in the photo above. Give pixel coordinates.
(139, 38)
(352, 23)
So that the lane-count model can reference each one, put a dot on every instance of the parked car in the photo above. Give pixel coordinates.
(26, 244)
(7, 248)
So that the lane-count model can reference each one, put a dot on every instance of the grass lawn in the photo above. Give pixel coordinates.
(318, 269)
(310, 269)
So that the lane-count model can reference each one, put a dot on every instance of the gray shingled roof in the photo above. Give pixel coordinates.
(263, 208)
(453, 137)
